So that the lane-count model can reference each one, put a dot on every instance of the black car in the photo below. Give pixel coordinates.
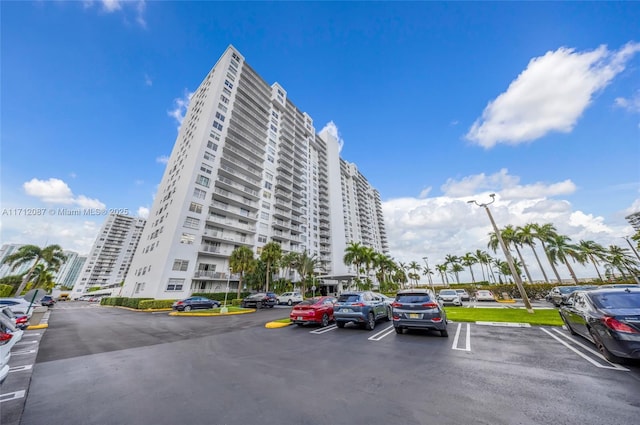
(193, 303)
(260, 300)
(47, 301)
(610, 317)
(559, 295)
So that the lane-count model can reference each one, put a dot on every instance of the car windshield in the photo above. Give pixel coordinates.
(567, 289)
(614, 300)
(349, 298)
(448, 292)
(413, 298)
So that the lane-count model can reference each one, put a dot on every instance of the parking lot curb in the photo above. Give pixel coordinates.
(277, 325)
(34, 327)
(233, 313)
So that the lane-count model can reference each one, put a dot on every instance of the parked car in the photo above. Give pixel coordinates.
(463, 294)
(387, 300)
(619, 285)
(289, 298)
(193, 303)
(610, 317)
(47, 301)
(417, 309)
(5, 350)
(18, 305)
(485, 295)
(449, 297)
(260, 300)
(21, 321)
(314, 310)
(8, 327)
(560, 294)
(363, 308)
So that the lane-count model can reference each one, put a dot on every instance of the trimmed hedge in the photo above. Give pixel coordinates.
(6, 290)
(236, 302)
(152, 304)
(123, 301)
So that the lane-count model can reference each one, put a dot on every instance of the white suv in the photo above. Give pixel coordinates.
(289, 298)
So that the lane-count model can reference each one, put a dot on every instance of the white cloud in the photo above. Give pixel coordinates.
(332, 129)
(143, 212)
(163, 159)
(507, 184)
(56, 191)
(147, 80)
(549, 95)
(448, 224)
(631, 104)
(180, 106)
(112, 6)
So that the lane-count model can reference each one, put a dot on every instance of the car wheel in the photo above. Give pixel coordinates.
(566, 323)
(340, 324)
(325, 320)
(399, 330)
(187, 308)
(603, 350)
(371, 322)
(444, 333)
(290, 302)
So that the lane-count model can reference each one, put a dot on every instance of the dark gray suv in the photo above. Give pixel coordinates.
(364, 308)
(417, 309)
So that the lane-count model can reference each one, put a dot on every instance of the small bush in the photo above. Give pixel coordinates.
(123, 301)
(152, 304)
(6, 290)
(236, 302)
(219, 296)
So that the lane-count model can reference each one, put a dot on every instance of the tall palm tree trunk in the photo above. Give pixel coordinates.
(571, 272)
(524, 265)
(553, 266)
(535, 253)
(596, 267)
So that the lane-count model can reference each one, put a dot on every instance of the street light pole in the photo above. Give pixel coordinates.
(507, 254)
(426, 261)
(638, 256)
(224, 309)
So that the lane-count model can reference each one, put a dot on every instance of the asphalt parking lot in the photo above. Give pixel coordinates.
(110, 366)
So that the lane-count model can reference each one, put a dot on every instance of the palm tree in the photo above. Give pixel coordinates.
(442, 269)
(306, 266)
(43, 278)
(509, 236)
(415, 267)
(401, 274)
(288, 262)
(241, 261)
(526, 236)
(484, 259)
(456, 268)
(469, 260)
(544, 233)
(52, 256)
(353, 256)
(620, 259)
(560, 249)
(594, 252)
(367, 256)
(270, 255)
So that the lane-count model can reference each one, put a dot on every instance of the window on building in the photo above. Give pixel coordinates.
(180, 265)
(224, 99)
(199, 193)
(212, 146)
(262, 238)
(208, 156)
(268, 185)
(222, 107)
(188, 238)
(203, 181)
(264, 215)
(217, 125)
(205, 168)
(220, 116)
(228, 84)
(268, 176)
(175, 285)
(192, 223)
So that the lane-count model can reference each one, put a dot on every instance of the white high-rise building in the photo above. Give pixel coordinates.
(111, 255)
(6, 269)
(248, 168)
(70, 270)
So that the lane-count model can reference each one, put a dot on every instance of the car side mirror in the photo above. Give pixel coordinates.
(567, 302)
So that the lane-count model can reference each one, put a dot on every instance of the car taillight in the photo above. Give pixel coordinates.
(22, 319)
(179, 303)
(614, 324)
(437, 319)
(4, 337)
(396, 305)
(358, 304)
(430, 305)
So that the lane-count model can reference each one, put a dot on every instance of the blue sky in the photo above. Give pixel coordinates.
(437, 103)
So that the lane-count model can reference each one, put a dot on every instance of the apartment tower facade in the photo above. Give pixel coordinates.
(248, 168)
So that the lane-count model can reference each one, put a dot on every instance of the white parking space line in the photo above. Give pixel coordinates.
(589, 349)
(467, 338)
(31, 334)
(20, 368)
(382, 334)
(25, 343)
(12, 396)
(17, 353)
(507, 324)
(584, 356)
(323, 330)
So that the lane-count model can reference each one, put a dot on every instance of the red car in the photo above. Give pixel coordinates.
(314, 310)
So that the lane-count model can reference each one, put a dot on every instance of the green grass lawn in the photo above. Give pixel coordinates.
(539, 317)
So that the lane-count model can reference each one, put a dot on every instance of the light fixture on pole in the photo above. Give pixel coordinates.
(426, 261)
(507, 254)
(224, 309)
